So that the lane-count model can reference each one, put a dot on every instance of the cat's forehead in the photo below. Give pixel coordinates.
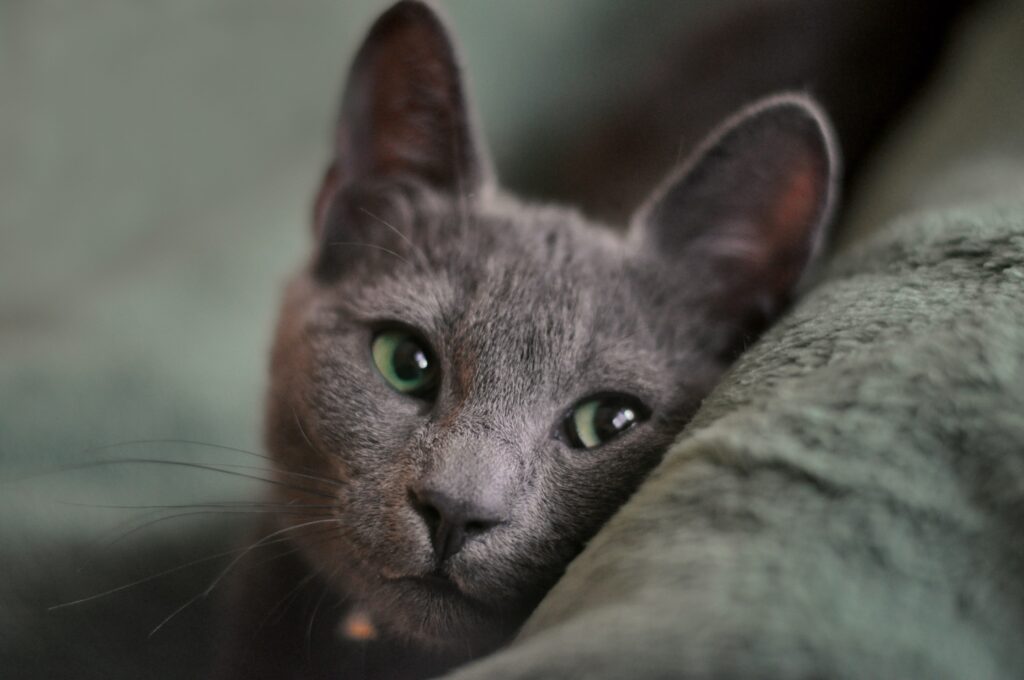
(502, 265)
(540, 286)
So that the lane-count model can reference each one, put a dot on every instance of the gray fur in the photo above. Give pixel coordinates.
(529, 309)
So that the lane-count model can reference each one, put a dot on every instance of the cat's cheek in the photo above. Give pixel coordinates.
(401, 547)
(360, 422)
(583, 488)
(385, 537)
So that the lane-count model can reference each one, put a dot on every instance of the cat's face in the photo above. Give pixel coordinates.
(473, 385)
(523, 316)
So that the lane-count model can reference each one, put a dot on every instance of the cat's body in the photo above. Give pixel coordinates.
(464, 387)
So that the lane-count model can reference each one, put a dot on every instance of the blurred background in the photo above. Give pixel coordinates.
(157, 160)
(157, 163)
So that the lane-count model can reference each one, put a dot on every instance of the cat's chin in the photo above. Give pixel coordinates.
(434, 612)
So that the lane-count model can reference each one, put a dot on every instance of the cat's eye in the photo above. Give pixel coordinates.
(600, 419)
(405, 362)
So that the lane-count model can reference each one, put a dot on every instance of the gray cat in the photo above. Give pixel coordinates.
(465, 386)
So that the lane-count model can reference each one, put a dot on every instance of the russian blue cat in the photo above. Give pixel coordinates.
(465, 386)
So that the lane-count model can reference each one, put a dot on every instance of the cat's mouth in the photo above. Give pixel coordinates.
(437, 583)
(445, 613)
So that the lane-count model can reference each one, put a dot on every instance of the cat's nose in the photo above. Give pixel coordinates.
(451, 521)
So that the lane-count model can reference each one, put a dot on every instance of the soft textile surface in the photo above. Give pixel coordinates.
(850, 501)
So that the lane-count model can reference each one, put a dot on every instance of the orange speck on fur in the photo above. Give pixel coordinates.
(357, 626)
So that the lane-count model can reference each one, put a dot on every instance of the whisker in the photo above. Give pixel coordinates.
(275, 470)
(219, 504)
(316, 608)
(110, 538)
(302, 431)
(416, 249)
(179, 515)
(202, 466)
(213, 584)
(117, 533)
(188, 442)
(157, 575)
(235, 561)
(170, 616)
(370, 245)
(289, 598)
(329, 535)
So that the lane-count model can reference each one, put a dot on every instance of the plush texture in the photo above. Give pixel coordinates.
(848, 502)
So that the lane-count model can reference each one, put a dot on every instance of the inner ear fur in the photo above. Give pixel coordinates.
(404, 113)
(749, 209)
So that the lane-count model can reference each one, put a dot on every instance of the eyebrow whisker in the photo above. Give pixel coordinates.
(416, 249)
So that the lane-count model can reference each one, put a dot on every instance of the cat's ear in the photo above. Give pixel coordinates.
(404, 111)
(746, 212)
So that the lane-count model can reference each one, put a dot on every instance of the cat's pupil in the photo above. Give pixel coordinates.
(410, 361)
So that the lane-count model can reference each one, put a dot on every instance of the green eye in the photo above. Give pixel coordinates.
(600, 419)
(405, 362)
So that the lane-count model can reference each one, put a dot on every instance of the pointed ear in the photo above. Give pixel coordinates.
(404, 112)
(747, 211)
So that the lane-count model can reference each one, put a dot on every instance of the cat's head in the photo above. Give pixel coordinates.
(484, 381)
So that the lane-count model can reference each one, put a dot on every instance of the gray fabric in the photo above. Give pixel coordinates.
(848, 502)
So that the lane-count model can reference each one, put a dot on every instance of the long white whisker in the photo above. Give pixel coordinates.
(231, 566)
(370, 245)
(211, 468)
(312, 617)
(151, 577)
(416, 249)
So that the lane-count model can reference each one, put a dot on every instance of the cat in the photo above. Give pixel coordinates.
(464, 386)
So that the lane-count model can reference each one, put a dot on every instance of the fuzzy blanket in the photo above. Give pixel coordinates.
(850, 501)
